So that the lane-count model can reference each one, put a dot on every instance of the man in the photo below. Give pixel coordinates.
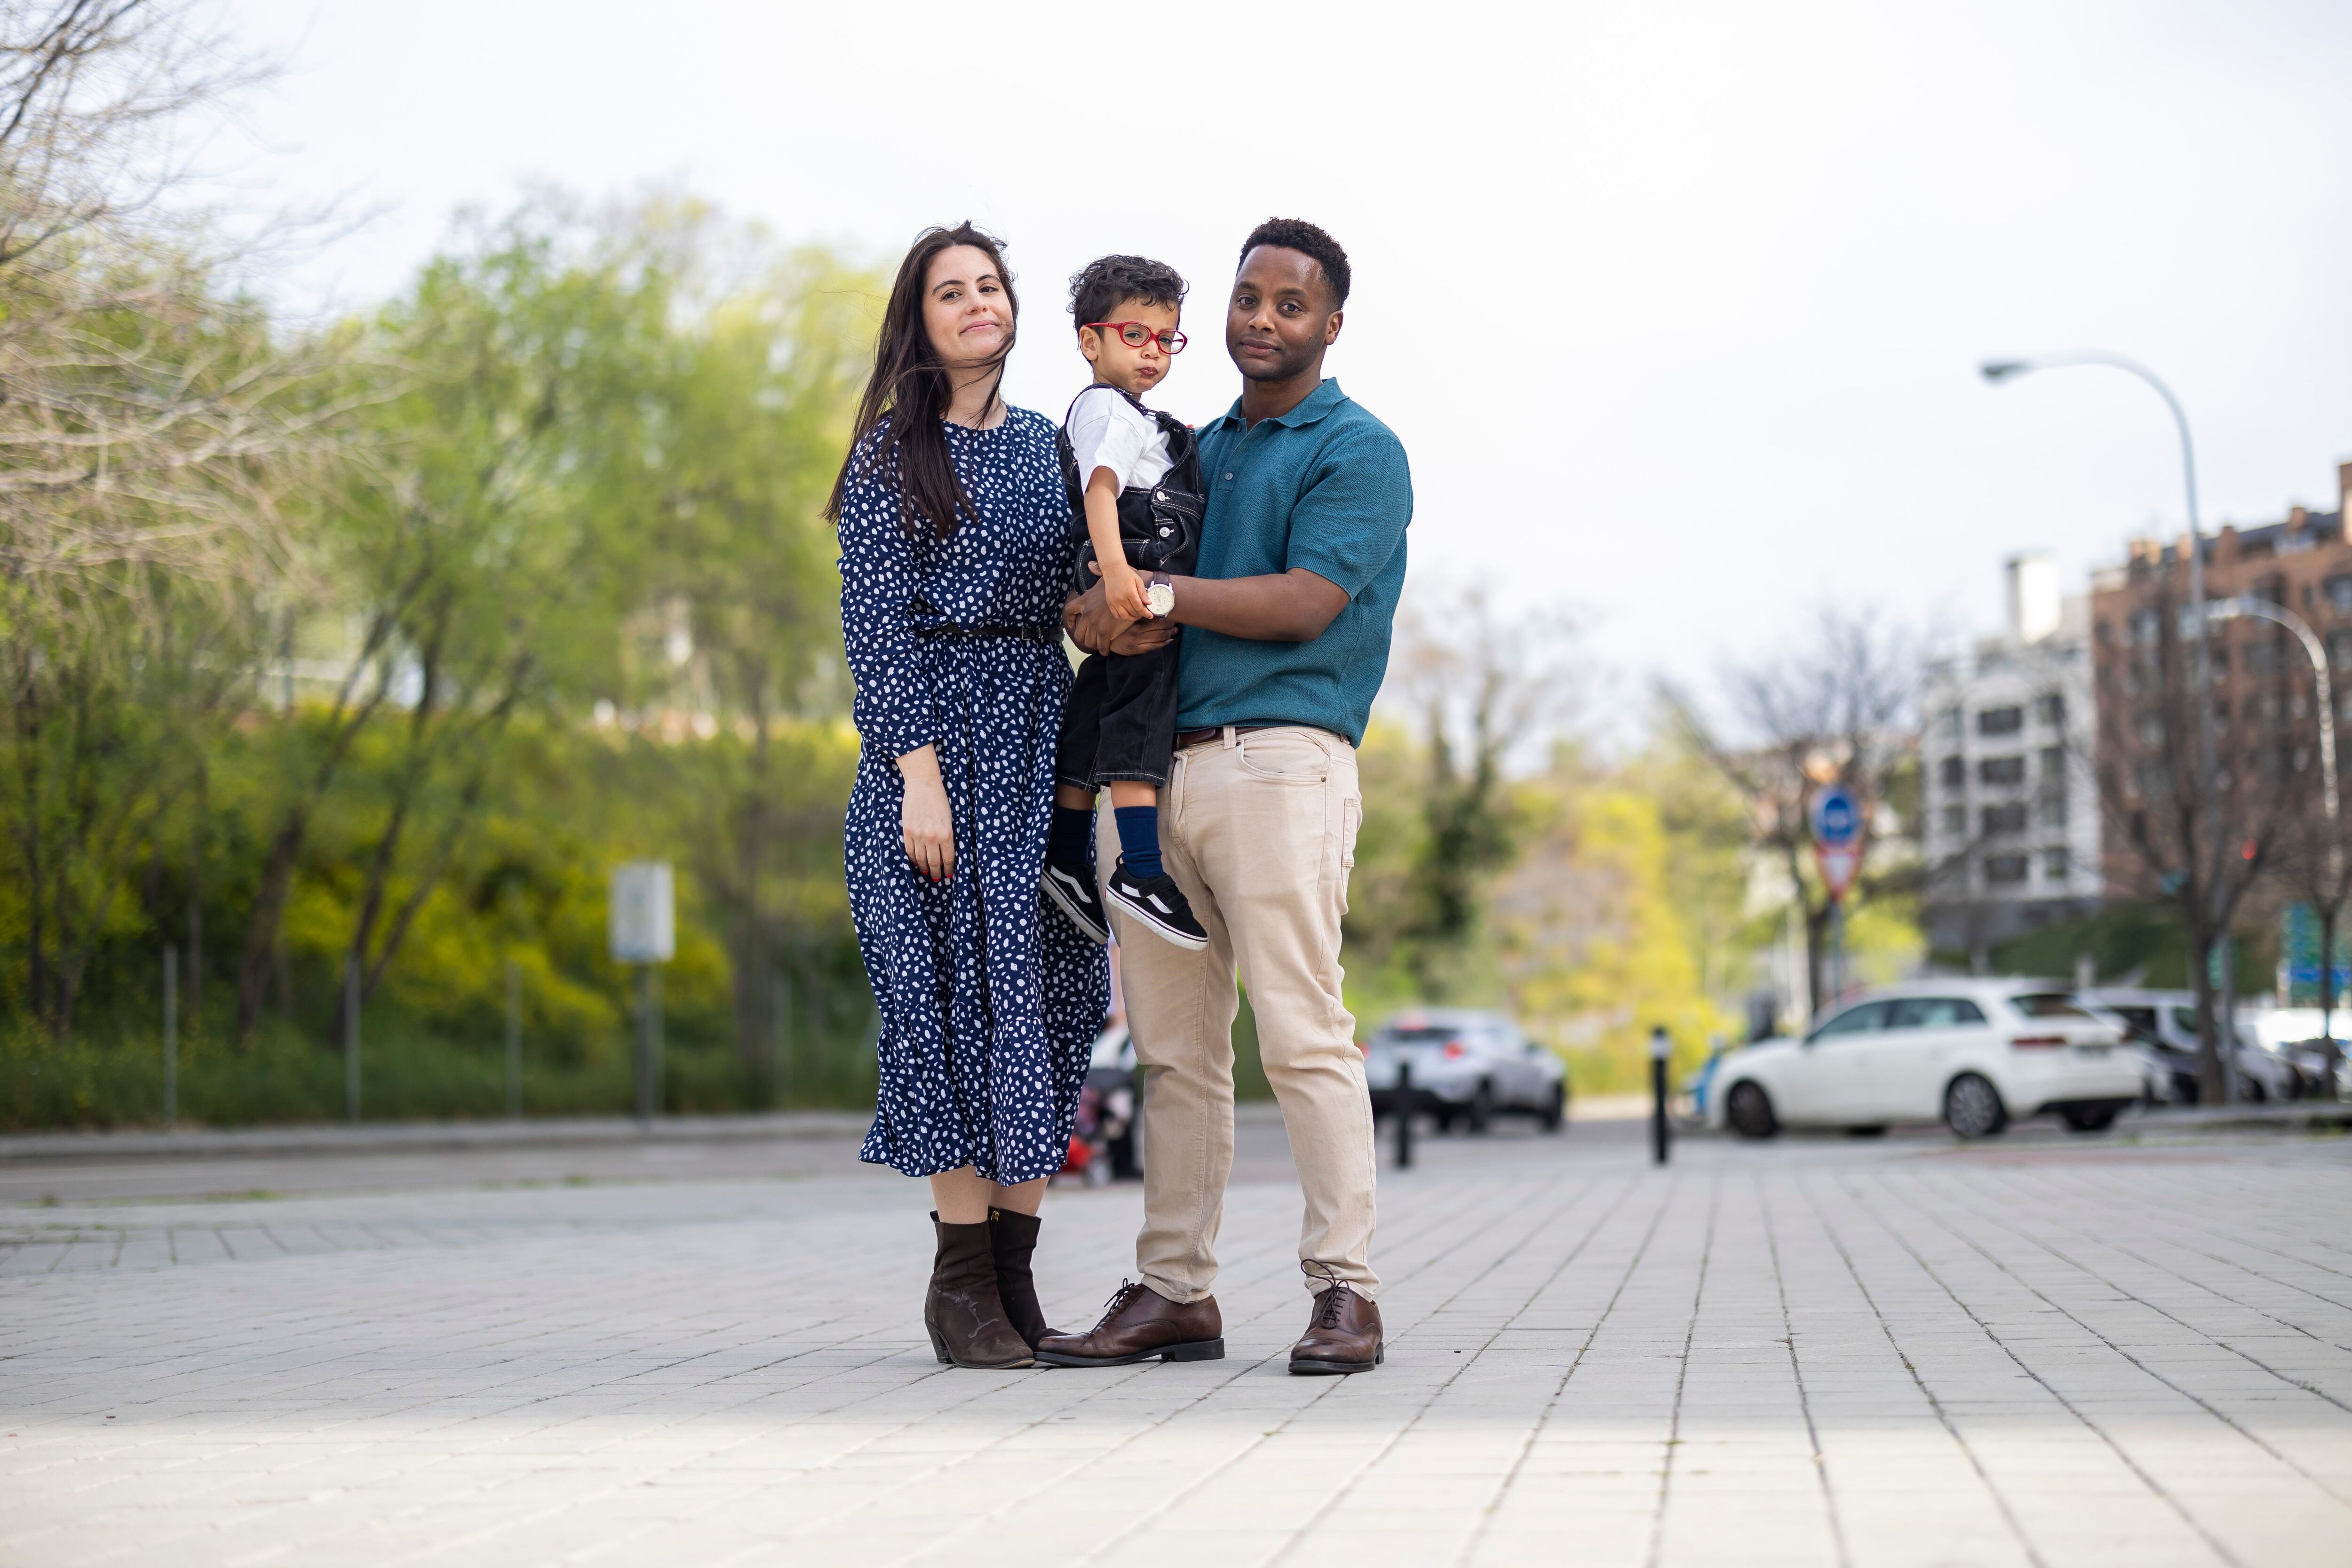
(1302, 556)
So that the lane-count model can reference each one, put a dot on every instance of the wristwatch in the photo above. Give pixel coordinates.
(1159, 595)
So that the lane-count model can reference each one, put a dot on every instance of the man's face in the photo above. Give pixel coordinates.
(1280, 317)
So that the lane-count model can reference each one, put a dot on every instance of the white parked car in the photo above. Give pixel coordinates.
(1971, 1053)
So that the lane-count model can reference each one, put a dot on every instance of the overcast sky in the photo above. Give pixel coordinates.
(1676, 307)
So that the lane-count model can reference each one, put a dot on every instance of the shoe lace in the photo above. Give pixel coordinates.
(1329, 1300)
(1118, 1298)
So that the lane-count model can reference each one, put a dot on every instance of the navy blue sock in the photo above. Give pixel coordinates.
(1139, 840)
(1066, 839)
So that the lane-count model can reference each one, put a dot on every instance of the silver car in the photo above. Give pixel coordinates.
(2166, 1022)
(1468, 1066)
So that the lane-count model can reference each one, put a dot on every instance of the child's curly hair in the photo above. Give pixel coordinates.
(1107, 282)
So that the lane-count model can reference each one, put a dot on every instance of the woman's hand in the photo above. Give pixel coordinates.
(1123, 591)
(924, 818)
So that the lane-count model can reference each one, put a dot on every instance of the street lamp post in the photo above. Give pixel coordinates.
(2250, 608)
(1998, 371)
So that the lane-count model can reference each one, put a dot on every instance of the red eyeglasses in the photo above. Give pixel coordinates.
(1135, 335)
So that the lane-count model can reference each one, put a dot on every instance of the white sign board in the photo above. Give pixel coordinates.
(1840, 866)
(643, 925)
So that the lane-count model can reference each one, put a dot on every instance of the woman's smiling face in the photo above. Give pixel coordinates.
(966, 309)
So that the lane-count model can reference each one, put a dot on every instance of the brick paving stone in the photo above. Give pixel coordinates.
(2041, 1350)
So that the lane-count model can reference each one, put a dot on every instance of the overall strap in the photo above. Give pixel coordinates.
(1182, 445)
(1133, 402)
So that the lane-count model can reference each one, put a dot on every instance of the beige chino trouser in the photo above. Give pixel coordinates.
(1259, 829)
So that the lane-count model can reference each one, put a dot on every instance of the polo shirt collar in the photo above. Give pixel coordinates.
(1312, 408)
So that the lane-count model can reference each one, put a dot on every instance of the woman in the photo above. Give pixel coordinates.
(954, 548)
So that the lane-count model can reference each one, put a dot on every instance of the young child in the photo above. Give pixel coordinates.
(1134, 480)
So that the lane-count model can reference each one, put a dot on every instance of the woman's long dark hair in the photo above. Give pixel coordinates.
(907, 397)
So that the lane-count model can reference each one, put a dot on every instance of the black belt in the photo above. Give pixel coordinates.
(1043, 635)
(1216, 731)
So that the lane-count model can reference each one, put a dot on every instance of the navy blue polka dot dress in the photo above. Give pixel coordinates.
(988, 1006)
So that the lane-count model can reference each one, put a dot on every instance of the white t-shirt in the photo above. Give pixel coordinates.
(1108, 432)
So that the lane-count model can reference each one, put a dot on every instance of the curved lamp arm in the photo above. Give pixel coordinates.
(2250, 608)
(1997, 371)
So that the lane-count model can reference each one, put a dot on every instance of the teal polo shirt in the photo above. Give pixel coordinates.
(1324, 487)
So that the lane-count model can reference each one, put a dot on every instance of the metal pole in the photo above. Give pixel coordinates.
(2229, 952)
(646, 1046)
(1837, 951)
(1661, 1048)
(170, 1036)
(2324, 691)
(351, 1038)
(1404, 1104)
(514, 1040)
(2325, 696)
(818, 1049)
(1998, 371)
(655, 1052)
(782, 1003)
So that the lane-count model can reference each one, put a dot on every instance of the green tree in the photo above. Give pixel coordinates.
(514, 394)
(1484, 688)
(754, 416)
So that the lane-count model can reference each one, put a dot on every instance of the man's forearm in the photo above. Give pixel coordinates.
(1294, 606)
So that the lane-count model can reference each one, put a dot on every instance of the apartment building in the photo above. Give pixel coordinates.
(2012, 835)
(2266, 722)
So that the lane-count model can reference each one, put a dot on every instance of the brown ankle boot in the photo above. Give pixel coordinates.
(1014, 1236)
(962, 1311)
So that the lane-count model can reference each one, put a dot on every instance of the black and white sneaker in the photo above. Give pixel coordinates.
(1158, 903)
(1072, 890)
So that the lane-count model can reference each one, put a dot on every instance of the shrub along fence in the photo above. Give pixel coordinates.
(123, 1069)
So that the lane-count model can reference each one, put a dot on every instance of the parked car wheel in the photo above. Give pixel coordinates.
(1481, 1115)
(2088, 1118)
(1555, 1110)
(1877, 1132)
(1972, 1107)
(1749, 1110)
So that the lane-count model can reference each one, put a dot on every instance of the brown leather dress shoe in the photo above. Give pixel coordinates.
(1342, 1336)
(1138, 1324)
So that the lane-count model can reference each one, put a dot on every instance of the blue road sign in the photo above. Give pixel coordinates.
(1837, 819)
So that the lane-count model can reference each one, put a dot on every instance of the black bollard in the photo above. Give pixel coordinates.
(1659, 1047)
(1404, 1099)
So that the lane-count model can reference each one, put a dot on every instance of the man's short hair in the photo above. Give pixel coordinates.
(1109, 282)
(1297, 234)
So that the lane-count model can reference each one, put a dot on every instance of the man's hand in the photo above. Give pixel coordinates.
(1092, 624)
(1143, 636)
(1097, 628)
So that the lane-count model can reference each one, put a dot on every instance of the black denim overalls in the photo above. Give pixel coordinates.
(1122, 718)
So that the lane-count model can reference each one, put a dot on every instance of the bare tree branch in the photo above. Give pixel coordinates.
(1840, 707)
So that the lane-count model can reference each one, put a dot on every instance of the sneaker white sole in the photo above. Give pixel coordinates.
(1069, 906)
(1160, 929)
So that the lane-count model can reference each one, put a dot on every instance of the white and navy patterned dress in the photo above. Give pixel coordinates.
(988, 1010)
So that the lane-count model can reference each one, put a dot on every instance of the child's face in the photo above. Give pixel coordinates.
(1133, 368)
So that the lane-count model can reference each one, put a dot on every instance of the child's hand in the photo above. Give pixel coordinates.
(1123, 589)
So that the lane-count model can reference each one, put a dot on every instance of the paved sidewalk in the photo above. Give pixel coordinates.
(2044, 1351)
